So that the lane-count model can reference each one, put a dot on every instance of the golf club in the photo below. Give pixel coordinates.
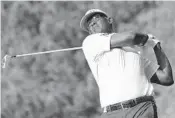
(6, 57)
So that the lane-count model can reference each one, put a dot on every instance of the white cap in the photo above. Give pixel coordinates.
(89, 13)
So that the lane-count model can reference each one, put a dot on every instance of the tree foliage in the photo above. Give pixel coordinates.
(60, 85)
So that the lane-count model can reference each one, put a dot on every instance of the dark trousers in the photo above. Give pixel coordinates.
(143, 110)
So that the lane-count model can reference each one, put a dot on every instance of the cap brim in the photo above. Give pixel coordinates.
(83, 22)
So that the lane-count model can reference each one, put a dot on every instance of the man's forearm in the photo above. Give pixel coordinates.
(165, 73)
(128, 39)
(162, 59)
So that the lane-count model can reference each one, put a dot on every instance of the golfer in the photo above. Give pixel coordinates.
(122, 73)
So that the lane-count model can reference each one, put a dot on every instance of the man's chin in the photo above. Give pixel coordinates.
(98, 31)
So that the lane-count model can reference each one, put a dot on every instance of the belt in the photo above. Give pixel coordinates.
(128, 103)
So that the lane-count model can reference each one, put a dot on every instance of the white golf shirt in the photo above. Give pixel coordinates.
(121, 73)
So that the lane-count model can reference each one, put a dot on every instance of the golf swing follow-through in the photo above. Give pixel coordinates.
(123, 75)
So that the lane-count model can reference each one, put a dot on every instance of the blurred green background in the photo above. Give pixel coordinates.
(60, 85)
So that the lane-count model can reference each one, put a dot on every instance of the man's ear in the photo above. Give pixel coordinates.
(110, 20)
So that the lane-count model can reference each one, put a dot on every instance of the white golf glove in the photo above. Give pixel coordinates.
(152, 41)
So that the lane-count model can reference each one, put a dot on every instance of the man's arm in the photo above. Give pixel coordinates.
(164, 74)
(128, 39)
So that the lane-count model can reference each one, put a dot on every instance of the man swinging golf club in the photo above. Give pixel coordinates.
(122, 73)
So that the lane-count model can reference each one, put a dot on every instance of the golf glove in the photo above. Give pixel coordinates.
(152, 41)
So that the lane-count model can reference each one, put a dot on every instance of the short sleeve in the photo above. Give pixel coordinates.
(150, 68)
(96, 44)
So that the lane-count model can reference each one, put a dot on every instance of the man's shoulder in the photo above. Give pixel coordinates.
(91, 38)
(96, 37)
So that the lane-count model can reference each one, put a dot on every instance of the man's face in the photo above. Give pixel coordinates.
(99, 24)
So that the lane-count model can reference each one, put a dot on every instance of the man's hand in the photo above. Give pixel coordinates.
(152, 41)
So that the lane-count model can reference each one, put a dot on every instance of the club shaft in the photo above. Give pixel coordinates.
(45, 52)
